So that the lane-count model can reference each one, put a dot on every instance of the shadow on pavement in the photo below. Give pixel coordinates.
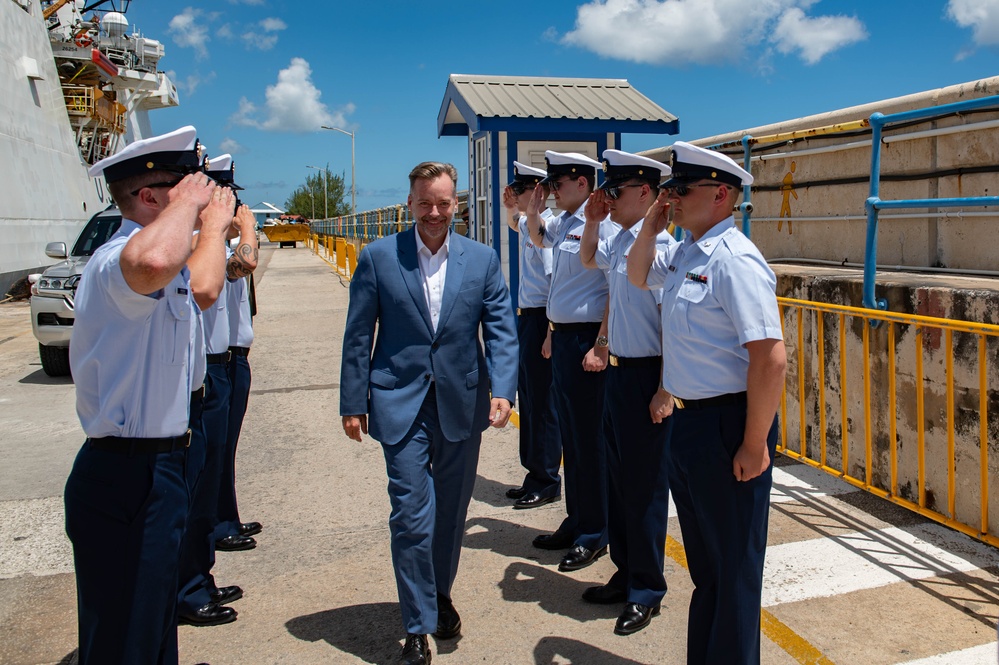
(40, 378)
(576, 653)
(491, 492)
(370, 632)
(508, 539)
(554, 592)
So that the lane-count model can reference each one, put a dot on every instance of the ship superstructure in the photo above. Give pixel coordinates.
(76, 85)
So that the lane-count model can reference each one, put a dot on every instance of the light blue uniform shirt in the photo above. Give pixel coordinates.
(577, 295)
(133, 356)
(240, 321)
(216, 319)
(535, 266)
(718, 295)
(634, 324)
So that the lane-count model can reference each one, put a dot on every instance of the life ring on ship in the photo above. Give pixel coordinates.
(83, 40)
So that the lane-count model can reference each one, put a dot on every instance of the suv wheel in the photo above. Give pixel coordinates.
(55, 359)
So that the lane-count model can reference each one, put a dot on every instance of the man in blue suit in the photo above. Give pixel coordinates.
(429, 389)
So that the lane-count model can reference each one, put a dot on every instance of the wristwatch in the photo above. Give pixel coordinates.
(602, 341)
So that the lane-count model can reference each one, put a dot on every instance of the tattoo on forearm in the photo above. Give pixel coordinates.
(243, 262)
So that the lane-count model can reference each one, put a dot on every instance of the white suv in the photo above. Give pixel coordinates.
(53, 292)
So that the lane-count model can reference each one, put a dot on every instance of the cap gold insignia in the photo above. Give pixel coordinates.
(640, 171)
(149, 165)
(606, 164)
(714, 174)
(207, 163)
(573, 169)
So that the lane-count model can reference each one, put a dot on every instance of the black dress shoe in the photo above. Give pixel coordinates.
(416, 651)
(516, 492)
(448, 621)
(533, 500)
(235, 543)
(226, 595)
(634, 618)
(580, 557)
(560, 540)
(605, 594)
(211, 614)
(250, 528)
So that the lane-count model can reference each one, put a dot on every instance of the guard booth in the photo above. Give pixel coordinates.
(508, 118)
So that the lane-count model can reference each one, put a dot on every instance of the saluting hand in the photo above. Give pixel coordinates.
(509, 199)
(354, 426)
(657, 217)
(196, 188)
(499, 412)
(245, 218)
(217, 216)
(597, 207)
(537, 202)
(750, 460)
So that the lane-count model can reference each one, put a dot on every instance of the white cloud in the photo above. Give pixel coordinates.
(273, 24)
(225, 31)
(678, 32)
(189, 31)
(814, 38)
(982, 16)
(231, 146)
(247, 2)
(254, 40)
(191, 82)
(293, 104)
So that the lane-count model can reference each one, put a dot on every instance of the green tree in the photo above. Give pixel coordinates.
(307, 200)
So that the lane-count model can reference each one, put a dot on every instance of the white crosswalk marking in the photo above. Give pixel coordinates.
(980, 655)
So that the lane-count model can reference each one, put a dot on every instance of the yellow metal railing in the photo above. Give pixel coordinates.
(931, 364)
(337, 251)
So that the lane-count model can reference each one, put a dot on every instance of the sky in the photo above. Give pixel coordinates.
(259, 77)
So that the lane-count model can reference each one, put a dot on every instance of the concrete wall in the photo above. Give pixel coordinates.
(826, 221)
(964, 299)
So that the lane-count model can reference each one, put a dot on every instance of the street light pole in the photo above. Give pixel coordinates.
(353, 178)
(326, 189)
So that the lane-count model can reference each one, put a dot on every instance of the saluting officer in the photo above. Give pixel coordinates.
(724, 361)
(577, 310)
(200, 601)
(230, 532)
(137, 368)
(636, 420)
(540, 445)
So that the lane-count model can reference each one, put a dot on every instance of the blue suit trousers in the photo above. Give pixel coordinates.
(540, 444)
(430, 486)
(637, 470)
(208, 438)
(579, 399)
(724, 526)
(228, 510)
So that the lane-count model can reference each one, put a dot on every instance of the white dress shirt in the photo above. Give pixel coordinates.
(433, 267)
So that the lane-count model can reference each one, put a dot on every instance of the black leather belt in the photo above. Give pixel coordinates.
(199, 393)
(574, 327)
(131, 445)
(531, 311)
(729, 399)
(239, 350)
(647, 361)
(219, 358)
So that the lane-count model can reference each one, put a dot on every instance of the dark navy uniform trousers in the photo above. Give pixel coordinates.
(724, 526)
(125, 515)
(239, 379)
(197, 552)
(579, 400)
(637, 468)
(540, 444)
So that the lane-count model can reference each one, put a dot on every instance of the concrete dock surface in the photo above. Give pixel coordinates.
(850, 579)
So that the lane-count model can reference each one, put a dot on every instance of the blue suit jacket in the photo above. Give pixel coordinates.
(391, 382)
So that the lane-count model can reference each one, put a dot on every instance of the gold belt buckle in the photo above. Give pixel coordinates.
(613, 360)
(519, 311)
(677, 402)
(551, 326)
(188, 443)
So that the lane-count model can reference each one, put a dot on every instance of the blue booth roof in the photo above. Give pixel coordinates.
(548, 105)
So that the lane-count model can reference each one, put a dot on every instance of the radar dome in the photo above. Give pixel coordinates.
(115, 24)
